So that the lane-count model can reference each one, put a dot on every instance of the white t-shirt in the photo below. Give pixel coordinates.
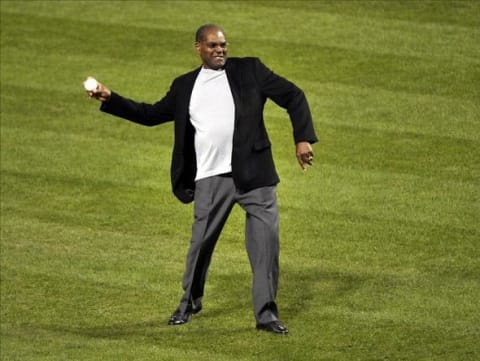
(212, 113)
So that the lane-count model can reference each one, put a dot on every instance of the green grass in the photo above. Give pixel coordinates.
(380, 239)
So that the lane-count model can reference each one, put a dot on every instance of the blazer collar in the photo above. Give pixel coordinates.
(234, 76)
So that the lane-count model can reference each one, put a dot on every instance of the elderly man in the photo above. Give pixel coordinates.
(221, 157)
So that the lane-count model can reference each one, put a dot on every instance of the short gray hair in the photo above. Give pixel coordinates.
(200, 34)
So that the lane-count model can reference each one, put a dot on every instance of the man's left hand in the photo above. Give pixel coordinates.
(304, 154)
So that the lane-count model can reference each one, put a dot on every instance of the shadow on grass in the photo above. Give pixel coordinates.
(153, 330)
(303, 293)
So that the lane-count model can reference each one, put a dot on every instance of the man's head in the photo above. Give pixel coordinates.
(211, 46)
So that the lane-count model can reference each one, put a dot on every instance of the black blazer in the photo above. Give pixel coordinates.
(251, 84)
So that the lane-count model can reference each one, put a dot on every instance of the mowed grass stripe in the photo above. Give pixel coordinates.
(428, 11)
(359, 319)
(402, 112)
(356, 63)
(444, 27)
(138, 259)
(381, 163)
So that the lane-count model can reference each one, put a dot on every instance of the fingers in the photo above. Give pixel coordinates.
(100, 92)
(94, 94)
(305, 160)
(304, 155)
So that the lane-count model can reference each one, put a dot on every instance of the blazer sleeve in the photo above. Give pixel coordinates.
(142, 113)
(287, 95)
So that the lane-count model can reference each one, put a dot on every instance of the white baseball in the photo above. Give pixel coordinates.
(90, 84)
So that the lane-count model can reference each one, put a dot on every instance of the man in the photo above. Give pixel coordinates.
(222, 156)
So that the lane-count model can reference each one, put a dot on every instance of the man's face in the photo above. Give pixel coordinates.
(212, 49)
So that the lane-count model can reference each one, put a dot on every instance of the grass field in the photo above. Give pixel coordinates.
(380, 239)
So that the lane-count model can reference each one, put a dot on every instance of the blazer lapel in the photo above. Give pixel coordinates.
(184, 94)
(234, 76)
(187, 88)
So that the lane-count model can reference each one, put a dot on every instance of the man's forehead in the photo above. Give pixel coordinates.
(214, 34)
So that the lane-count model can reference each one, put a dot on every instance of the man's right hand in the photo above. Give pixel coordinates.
(101, 93)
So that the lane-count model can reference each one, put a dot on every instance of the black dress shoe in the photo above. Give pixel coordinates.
(179, 317)
(274, 326)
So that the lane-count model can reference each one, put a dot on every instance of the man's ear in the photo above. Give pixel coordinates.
(197, 47)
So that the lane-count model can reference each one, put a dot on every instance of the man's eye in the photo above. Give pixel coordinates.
(214, 45)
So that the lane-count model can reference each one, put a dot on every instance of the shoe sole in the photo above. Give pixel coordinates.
(266, 329)
(182, 322)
